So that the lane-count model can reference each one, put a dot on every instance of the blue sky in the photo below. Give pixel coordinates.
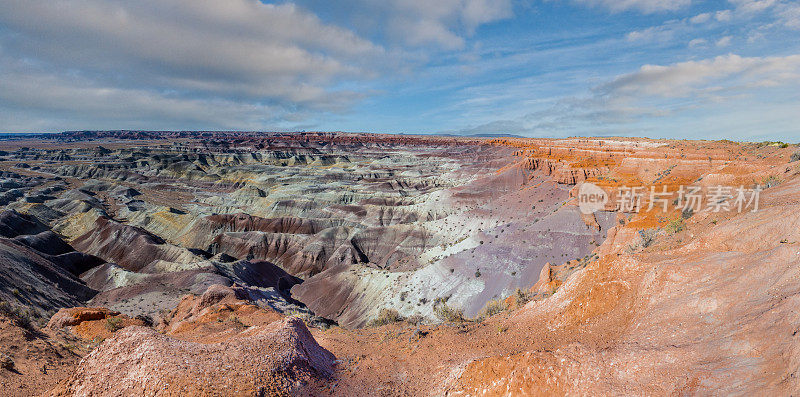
(552, 68)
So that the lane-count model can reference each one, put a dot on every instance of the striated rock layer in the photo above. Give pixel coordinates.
(424, 265)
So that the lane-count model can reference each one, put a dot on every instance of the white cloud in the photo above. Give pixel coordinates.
(644, 6)
(239, 47)
(724, 41)
(723, 16)
(443, 23)
(240, 54)
(698, 43)
(753, 6)
(790, 16)
(664, 32)
(677, 28)
(430, 25)
(710, 76)
(755, 36)
(701, 18)
(726, 97)
(52, 101)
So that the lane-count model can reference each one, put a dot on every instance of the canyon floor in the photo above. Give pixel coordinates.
(208, 263)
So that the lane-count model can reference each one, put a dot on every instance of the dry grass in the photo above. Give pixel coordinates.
(448, 313)
(521, 297)
(114, 324)
(386, 316)
(415, 319)
(22, 318)
(492, 307)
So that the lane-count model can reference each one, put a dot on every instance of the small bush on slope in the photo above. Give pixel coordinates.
(114, 324)
(492, 307)
(415, 319)
(521, 297)
(386, 316)
(6, 362)
(448, 313)
(770, 181)
(648, 236)
(21, 318)
(675, 226)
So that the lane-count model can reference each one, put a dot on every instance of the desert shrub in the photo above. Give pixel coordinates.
(416, 335)
(674, 226)
(770, 181)
(648, 237)
(147, 320)
(236, 321)
(95, 342)
(795, 157)
(6, 362)
(521, 297)
(386, 316)
(771, 143)
(687, 213)
(21, 318)
(491, 308)
(114, 324)
(450, 314)
(6, 309)
(415, 319)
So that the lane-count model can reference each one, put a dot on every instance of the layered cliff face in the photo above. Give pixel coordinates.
(215, 238)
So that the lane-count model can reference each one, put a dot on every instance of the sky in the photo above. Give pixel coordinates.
(727, 69)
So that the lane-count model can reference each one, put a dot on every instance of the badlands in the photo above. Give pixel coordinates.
(243, 263)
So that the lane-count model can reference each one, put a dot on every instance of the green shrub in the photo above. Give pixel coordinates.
(307, 318)
(770, 181)
(675, 226)
(114, 324)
